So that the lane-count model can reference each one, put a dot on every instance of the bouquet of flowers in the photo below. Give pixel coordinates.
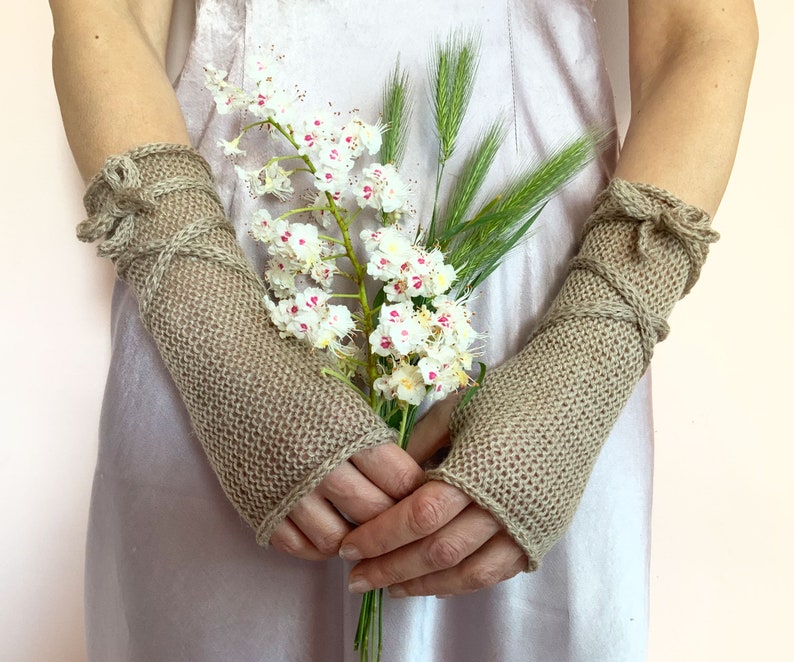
(407, 337)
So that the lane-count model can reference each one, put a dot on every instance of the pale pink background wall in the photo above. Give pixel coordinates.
(723, 527)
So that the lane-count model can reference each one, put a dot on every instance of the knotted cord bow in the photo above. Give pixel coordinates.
(117, 199)
(689, 225)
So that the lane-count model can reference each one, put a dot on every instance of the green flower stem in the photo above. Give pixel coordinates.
(431, 231)
(292, 212)
(344, 274)
(359, 270)
(344, 379)
(276, 159)
(333, 240)
(254, 125)
(405, 433)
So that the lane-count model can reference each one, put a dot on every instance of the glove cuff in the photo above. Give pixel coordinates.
(524, 446)
(271, 423)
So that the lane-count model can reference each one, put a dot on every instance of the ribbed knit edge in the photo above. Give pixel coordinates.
(279, 514)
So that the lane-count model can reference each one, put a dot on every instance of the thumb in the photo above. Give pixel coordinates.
(431, 433)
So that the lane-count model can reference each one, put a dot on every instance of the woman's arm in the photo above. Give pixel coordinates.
(690, 67)
(690, 71)
(109, 71)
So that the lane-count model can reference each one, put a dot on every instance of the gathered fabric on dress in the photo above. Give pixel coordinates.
(173, 574)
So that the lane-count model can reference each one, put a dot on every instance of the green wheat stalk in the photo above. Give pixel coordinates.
(477, 246)
(397, 109)
(469, 182)
(453, 70)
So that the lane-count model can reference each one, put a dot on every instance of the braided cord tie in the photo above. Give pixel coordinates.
(623, 202)
(525, 445)
(655, 210)
(117, 196)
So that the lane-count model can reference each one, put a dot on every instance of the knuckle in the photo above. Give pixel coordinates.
(445, 552)
(286, 545)
(329, 543)
(291, 545)
(404, 481)
(483, 577)
(426, 514)
(337, 483)
(388, 574)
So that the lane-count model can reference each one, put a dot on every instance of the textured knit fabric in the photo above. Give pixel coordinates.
(172, 572)
(271, 423)
(525, 445)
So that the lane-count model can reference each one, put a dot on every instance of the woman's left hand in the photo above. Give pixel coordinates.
(435, 541)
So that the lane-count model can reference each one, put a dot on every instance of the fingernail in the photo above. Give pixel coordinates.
(349, 553)
(397, 592)
(359, 586)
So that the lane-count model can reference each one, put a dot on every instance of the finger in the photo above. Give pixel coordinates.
(353, 494)
(288, 538)
(417, 516)
(446, 548)
(390, 468)
(320, 522)
(431, 433)
(497, 560)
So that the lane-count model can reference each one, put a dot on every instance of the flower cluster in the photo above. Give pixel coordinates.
(421, 338)
(429, 349)
(308, 316)
(330, 143)
(296, 249)
(408, 270)
(382, 188)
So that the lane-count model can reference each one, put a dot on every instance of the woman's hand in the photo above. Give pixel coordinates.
(362, 488)
(366, 485)
(435, 541)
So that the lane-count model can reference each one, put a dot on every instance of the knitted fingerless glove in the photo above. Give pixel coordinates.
(525, 445)
(271, 423)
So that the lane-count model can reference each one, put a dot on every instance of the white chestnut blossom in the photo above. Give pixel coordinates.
(358, 136)
(408, 270)
(231, 148)
(228, 98)
(271, 179)
(382, 187)
(404, 383)
(400, 331)
(423, 341)
(321, 212)
(309, 316)
(296, 248)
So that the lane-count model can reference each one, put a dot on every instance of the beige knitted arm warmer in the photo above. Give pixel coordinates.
(271, 424)
(525, 445)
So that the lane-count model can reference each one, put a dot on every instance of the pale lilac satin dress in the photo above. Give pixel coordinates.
(173, 574)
